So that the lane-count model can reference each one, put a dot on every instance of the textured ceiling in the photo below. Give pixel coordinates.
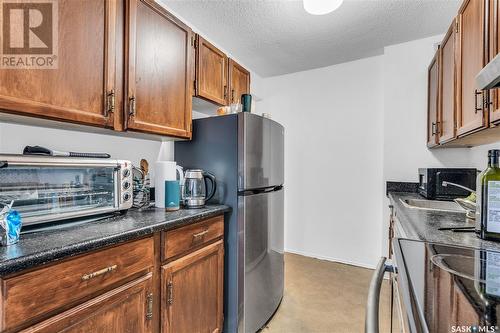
(279, 37)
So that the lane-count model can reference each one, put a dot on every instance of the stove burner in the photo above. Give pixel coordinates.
(457, 264)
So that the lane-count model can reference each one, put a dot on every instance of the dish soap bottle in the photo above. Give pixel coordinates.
(490, 198)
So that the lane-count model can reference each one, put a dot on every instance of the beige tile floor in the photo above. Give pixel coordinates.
(325, 297)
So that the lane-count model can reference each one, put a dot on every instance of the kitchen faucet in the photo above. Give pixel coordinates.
(445, 183)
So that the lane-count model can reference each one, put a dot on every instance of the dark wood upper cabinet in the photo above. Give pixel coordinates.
(81, 89)
(192, 288)
(433, 101)
(447, 86)
(239, 81)
(494, 45)
(211, 81)
(159, 71)
(472, 56)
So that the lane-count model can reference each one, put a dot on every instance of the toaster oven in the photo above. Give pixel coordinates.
(48, 189)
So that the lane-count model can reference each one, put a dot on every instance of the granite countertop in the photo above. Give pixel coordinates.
(42, 247)
(424, 225)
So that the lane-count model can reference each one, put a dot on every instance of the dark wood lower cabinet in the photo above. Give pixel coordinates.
(124, 309)
(124, 288)
(192, 291)
(446, 304)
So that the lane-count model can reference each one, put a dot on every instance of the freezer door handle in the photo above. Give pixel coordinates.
(372, 305)
(262, 190)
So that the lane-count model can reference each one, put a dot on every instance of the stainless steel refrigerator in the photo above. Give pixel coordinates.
(245, 153)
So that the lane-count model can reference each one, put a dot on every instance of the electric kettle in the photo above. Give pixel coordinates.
(194, 188)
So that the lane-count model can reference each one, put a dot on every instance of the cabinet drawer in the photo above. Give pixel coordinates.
(34, 294)
(189, 237)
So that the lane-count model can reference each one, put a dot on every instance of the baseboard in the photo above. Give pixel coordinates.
(321, 257)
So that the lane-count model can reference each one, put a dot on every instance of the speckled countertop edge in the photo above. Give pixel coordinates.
(419, 224)
(50, 246)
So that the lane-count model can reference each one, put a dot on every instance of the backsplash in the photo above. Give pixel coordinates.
(13, 138)
(478, 156)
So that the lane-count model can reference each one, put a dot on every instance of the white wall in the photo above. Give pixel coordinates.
(349, 129)
(478, 156)
(13, 138)
(333, 120)
(405, 117)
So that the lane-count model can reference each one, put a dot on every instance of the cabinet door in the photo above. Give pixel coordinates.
(211, 72)
(464, 312)
(471, 58)
(192, 291)
(433, 101)
(430, 295)
(80, 88)
(239, 81)
(494, 44)
(443, 301)
(159, 83)
(127, 308)
(447, 86)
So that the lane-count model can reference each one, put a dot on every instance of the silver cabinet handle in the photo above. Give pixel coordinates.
(371, 317)
(476, 93)
(100, 272)
(132, 106)
(200, 234)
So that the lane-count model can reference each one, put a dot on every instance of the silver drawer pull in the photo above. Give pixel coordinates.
(103, 271)
(200, 234)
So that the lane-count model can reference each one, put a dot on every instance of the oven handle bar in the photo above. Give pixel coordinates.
(81, 164)
(372, 305)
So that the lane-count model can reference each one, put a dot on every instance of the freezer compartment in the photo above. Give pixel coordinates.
(263, 216)
(260, 152)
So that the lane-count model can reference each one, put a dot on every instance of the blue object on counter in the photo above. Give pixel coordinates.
(11, 224)
(172, 195)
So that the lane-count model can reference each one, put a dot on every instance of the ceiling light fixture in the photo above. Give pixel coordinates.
(321, 7)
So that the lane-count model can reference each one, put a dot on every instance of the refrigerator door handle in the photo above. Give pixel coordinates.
(260, 190)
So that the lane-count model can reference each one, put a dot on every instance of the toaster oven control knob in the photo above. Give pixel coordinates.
(126, 173)
(126, 185)
(126, 197)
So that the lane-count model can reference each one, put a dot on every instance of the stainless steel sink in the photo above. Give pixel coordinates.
(435, 205)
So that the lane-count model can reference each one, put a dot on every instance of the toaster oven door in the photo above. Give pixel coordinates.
(52, 193)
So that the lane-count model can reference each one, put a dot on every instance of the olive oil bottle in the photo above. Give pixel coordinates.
(490, 198)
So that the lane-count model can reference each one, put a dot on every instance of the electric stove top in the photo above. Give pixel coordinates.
(448, 288)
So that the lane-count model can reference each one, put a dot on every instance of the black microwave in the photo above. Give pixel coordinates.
(430, 182)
